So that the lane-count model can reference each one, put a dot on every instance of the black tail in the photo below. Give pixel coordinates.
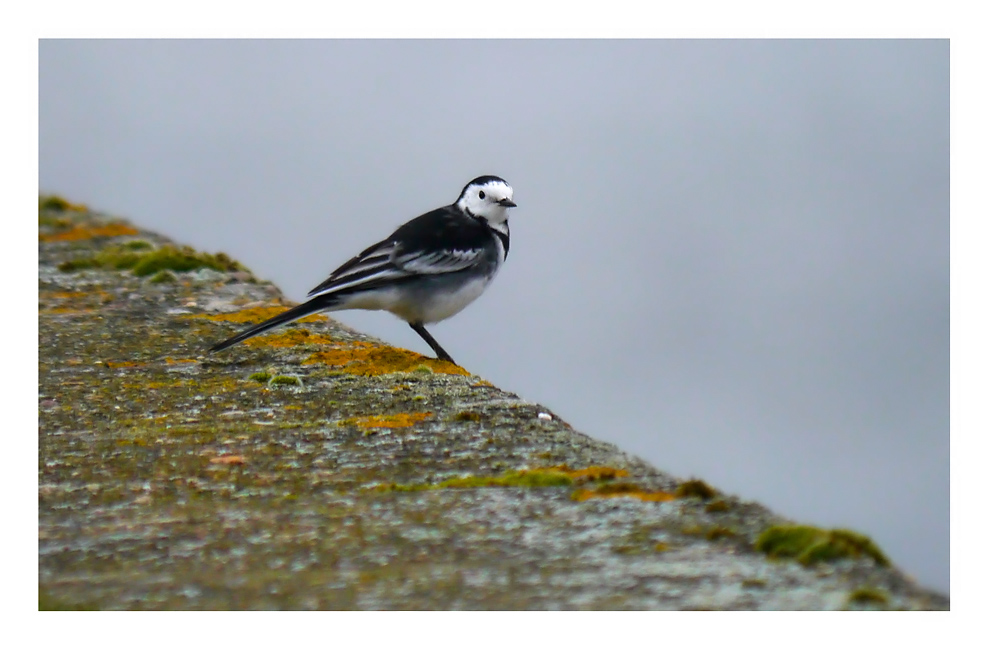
(317, 304)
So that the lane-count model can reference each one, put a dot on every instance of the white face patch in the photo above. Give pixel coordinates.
(487, 207)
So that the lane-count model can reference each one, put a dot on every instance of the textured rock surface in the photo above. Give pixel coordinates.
(306, 469)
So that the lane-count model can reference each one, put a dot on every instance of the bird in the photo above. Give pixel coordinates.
(426, 271)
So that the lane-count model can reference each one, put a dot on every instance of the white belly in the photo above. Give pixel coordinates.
(417, 304)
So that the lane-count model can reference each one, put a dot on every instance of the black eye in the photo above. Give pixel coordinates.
(480, 194)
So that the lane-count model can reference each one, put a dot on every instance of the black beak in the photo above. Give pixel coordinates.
(508, 203)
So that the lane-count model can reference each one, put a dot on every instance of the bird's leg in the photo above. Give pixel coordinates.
(440, 352)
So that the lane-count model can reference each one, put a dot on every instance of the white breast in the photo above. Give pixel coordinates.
(444, 305)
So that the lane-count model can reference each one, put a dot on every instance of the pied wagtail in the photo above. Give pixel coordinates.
(426, 271)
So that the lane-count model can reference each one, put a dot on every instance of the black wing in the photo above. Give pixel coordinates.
(441, 241)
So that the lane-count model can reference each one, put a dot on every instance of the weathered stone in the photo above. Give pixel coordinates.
(319, 468)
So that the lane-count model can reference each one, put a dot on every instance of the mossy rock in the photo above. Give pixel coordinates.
(810, 545)
(142, 263)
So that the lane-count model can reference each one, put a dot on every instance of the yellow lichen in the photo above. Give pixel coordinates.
(360, 358)
(290, 338)
(560, 475)
(396, 421)
(72, 302)
(353, 357)
(518, 478)
(66, 311)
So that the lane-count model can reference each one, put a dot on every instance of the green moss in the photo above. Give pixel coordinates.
(423, 370)
(809, 545)
(81, 264)
(845, 543)
(260, 377)
(696, 488)
(137, 245)
(161, 277)
(788, 541)
(866, 595)
(181, 260)
(467, 416)
(166, 258)
(55, 203)
(285, 380)
(521, 478)
(516, 478)
(717, 506)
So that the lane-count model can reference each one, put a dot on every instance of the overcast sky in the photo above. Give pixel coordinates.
(729, 257)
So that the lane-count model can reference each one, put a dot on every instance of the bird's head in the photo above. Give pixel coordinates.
(487, 197)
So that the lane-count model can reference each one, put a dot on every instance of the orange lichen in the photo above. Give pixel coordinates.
(360, 358)
(612, 490)
(122, 364)
(62, 295)
(228, 460)
(151, 385)
(170, 360)
(89, 232)
(396, 421)
(66, 311)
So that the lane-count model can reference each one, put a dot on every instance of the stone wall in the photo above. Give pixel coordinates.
(317, 468)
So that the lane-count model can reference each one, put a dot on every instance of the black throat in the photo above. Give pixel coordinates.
(503, 236)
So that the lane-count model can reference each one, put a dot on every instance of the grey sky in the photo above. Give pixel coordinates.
(729, 257)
